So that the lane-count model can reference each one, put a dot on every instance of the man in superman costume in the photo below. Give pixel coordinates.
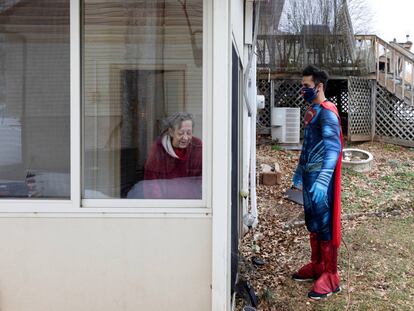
(319, 174)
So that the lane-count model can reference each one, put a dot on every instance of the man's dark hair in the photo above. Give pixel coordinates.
(318, 76)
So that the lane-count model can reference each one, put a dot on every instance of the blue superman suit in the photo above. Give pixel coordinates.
(320, 152)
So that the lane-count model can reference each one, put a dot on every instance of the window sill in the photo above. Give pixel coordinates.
(104, 208)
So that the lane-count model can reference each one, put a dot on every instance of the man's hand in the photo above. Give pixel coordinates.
(318, 191)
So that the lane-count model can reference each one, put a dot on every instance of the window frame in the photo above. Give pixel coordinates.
(121, 207)
(16, 205)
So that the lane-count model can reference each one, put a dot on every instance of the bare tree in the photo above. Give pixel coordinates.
(270, 13)
(361, 15)
(297, 13)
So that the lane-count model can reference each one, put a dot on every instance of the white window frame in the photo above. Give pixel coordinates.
(121, 207)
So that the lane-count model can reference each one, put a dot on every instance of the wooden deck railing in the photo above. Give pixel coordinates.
(290, 53)
(389, 63)
(394, 67)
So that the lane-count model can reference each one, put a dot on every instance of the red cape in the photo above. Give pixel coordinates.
(336, 217)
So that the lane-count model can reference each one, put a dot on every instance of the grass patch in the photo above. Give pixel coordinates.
(276, 147)
(391, 148)
(392, 189)
(347, 172)
(399, 180)
(381, 272)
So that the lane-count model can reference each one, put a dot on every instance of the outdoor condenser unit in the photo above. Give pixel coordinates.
(285, 124)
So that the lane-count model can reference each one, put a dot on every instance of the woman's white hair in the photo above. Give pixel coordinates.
(175, 120)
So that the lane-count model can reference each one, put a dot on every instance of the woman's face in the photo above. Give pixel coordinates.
(181, 136)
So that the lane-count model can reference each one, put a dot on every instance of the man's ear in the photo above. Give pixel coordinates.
(321, 86)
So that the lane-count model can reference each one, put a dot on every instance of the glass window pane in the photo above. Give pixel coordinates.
(34, 99)
(142, 99)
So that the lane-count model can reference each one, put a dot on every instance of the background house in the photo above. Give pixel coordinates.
(371, 80)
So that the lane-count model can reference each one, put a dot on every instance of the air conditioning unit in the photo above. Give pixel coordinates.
(285, 124)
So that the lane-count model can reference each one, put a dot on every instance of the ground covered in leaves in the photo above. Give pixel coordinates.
(375, 262)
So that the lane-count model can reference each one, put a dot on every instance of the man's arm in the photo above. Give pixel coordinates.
(297, 176)
(332, 142)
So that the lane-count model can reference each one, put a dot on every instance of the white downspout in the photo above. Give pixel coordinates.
(251, 219)
(252, 96)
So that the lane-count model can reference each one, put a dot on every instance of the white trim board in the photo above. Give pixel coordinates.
(75, 103)
(221, 126)
(127, 214)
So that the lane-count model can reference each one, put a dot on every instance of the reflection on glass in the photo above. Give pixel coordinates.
(142, 63)
(34, 99)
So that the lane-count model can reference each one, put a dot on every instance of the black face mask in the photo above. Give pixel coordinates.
(309, 93)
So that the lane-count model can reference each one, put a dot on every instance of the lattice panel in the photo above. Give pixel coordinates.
(359, 110)
(337, 92)
(263, 116)
(287, 94)
(344, 101)
(394, 117)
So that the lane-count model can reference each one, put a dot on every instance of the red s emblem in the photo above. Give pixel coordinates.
(309, 114)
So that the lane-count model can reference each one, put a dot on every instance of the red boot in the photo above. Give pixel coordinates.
(314, 269)
(328, 283)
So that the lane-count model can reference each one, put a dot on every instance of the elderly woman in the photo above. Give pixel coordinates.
(174, 166)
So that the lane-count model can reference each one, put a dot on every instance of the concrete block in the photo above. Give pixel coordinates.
(271, 178)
